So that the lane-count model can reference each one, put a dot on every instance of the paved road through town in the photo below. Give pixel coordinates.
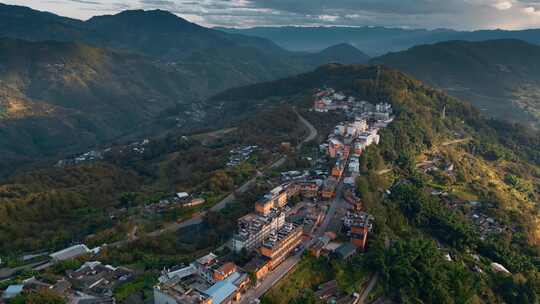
(271, 279)
(364, 294)
(277, 274)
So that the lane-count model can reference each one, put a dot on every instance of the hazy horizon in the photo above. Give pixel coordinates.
(413, 14)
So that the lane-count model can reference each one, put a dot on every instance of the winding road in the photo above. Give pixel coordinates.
(229, 198)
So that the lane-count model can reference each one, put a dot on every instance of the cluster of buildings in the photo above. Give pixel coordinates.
(211, 280)
(207, 280)
(267, 232)
(344, 146)
(96, 281)
(180, 199)
(309, 215)
(357, 225)
(349, 139)
(93, 282)
(294, 175)
(89, 156)
(473, 210)
(95, 155)
(381, 112)
(329, 100)
(483, 224)
(239, 155)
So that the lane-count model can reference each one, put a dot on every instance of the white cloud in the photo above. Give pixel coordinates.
(457, 14)
(531, 11)
(328, 18)
(502, 6)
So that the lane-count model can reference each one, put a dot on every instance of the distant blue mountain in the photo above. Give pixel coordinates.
(374, 40)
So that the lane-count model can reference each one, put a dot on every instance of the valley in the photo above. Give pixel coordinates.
(108, 86)
(147, 159)
(477, 163)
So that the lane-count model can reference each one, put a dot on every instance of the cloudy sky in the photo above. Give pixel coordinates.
(457, 14)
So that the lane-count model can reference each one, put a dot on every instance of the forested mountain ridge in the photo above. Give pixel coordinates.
(77, 83)
(495, 163)
(340, 53)
(25, 23)
(156, 33)
(500, 77)
(61, 96)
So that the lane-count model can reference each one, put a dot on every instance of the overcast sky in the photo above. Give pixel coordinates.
(457, 14)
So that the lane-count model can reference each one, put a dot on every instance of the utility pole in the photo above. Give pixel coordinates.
(444, 113)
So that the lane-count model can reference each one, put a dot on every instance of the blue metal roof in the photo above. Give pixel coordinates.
(233, 277)
(13, 290)
(221, 291)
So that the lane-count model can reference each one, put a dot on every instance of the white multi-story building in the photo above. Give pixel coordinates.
(204, 264)
(254, 228)
(360, 125)
(383, 107)
(354, 165)
(189, 285)
(369, 138)
(339, 96)
(339, 130)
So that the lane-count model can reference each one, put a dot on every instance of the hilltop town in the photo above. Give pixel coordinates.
(314, 210)
(321, 198)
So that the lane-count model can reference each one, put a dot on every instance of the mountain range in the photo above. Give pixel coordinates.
(375, 41)
(500, 77)
(68, 84)
(156, 33)
(63, 95)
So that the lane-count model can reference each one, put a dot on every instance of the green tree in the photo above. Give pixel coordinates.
(43, 296)
(221, 182)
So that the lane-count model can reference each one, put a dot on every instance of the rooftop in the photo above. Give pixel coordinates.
(226, 268)
(223, 289)
(70, 252)
(281, 234)
(185, 287)
(12, 291)
(252, 223)
(346, 250)
(256, 263)
(98, 279)
(207, 259)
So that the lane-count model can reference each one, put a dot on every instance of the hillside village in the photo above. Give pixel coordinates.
(313, 211)
(277, 231)
(269, 152)
(306, 212)
(137, 147)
